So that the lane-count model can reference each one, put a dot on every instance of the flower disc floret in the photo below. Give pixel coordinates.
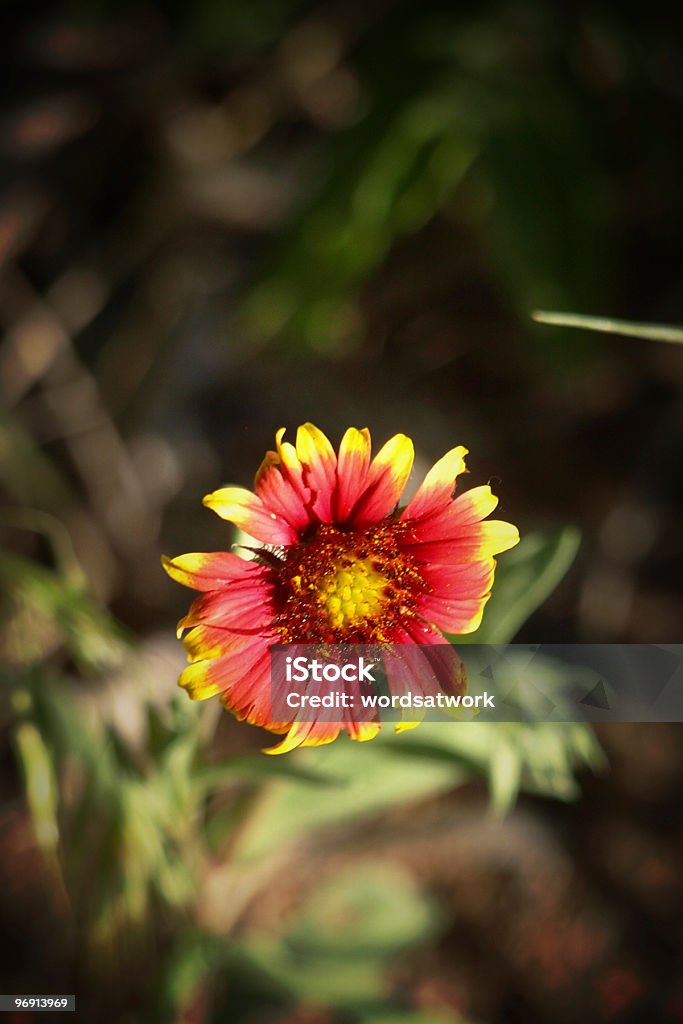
(347, 586)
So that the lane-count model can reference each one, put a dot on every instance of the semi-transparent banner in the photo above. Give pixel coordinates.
(477, 682)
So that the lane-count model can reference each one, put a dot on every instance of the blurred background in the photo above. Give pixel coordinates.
(224, 217)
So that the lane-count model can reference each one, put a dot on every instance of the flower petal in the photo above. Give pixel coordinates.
(417, 632)
(437, 488)
(469, 579)
(317, 456)
(450, 520)
(247, 511)
(473, 543)
(291, 467)
(238, 655)
(427, 665)
(458, 595)
(473, 505)
(403, 681)
(387, 476)
(211, 570)
(248, 696)
(245, 607)
(204, 643)
(306, 734)
(352, 470)
(453, 615)
(362, 731)
(278, 493)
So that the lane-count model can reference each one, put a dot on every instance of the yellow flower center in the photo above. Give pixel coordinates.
(353, 592)
(342, 586)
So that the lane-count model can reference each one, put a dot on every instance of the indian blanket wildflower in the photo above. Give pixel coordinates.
(342, 563)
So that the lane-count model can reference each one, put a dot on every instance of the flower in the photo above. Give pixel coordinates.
(342, 564)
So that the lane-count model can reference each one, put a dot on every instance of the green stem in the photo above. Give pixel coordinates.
(651, 332)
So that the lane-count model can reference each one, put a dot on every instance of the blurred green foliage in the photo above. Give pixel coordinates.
(393, 172)
(345, 935)
(454, 119)
(132, 832)
(39, 603)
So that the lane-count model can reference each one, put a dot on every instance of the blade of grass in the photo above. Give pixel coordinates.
(628, 328)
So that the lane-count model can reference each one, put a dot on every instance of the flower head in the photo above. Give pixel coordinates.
(342, 564)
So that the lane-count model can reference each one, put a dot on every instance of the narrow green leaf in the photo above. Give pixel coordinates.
(629, 328)
(505, 770)
(254, 767)
(41, 786)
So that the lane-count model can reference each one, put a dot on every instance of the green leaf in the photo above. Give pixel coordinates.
(605, 325)
(364, 778)
(327, 981)
(525, 577)
(186, 971)
(41, 786)
(373, 909)
(505, 770)
(539, 757)
(347, 936)
(255, 767)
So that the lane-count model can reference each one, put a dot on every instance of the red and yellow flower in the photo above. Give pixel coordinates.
(342, 564)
